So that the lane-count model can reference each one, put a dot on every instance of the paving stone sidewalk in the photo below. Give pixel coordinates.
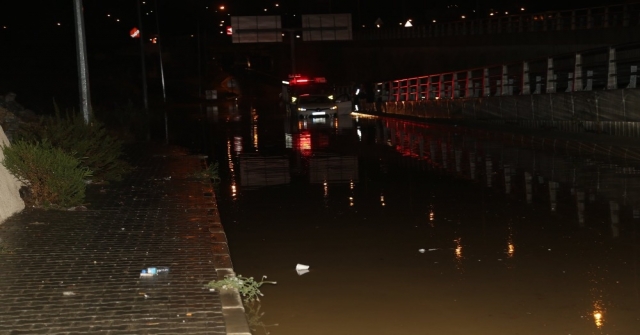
(78, 272)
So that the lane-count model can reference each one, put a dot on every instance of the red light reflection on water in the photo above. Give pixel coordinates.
(304, 143)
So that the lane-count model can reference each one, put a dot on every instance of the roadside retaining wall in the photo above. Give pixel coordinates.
(615, 112)
(10, 201)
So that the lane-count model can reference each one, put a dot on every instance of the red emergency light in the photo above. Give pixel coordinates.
(299, 81)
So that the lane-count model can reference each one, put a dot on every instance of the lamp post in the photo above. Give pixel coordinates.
(145, 97)
(145, 90)
(164, 92)
(83, 67)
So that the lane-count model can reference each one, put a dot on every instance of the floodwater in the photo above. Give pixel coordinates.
(412, 228)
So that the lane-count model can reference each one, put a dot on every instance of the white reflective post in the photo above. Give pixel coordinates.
(551, 82)
(577, 73)
(612, 73)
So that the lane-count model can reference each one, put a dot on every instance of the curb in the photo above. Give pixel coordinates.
(233, 311)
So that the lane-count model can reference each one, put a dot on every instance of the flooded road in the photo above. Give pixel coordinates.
(411, 228)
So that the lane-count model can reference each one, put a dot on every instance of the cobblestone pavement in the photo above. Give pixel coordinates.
(78, 272)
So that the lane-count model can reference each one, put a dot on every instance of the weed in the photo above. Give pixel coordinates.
(211, 172)
(247, 287)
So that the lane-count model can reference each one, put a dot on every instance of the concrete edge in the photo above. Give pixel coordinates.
(233, 312)
(10, 201)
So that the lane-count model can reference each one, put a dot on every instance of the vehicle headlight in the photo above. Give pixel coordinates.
(301, 109)
(334, 107)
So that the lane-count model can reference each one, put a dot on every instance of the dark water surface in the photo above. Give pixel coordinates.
(421, 229)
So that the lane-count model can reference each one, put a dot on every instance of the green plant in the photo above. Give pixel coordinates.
(54, 177)
(247, 287)
(89, 143)
(212, 172)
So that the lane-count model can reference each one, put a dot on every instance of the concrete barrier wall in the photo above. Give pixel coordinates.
(10, 201)
(615, 112)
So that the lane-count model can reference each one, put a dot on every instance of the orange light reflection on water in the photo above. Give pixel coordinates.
(234, 190)
(598, 314)
(458, 253)
(458, 249)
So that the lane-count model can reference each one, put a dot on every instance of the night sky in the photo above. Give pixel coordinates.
(52, 21)
(38, 55)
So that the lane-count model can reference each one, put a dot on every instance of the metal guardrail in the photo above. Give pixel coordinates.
(611, 67)
(620, 15)
(599, 86)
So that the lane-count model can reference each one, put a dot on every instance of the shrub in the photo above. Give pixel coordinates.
(211, 172)
(54, 177)
(89, 143)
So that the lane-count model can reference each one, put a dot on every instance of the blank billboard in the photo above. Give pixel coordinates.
(256, 29)
(326, 27)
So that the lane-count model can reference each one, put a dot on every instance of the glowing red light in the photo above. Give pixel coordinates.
(134, 33)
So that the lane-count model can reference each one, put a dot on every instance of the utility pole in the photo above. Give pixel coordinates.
(158, 41)
(83, 67)
(145, 96)
(145, 90)
(164, 92)
(199, 57)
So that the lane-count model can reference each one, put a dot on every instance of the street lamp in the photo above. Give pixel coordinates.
(83, 66)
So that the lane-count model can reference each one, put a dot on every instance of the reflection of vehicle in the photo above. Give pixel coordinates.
(306, 97)
(315, 105)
